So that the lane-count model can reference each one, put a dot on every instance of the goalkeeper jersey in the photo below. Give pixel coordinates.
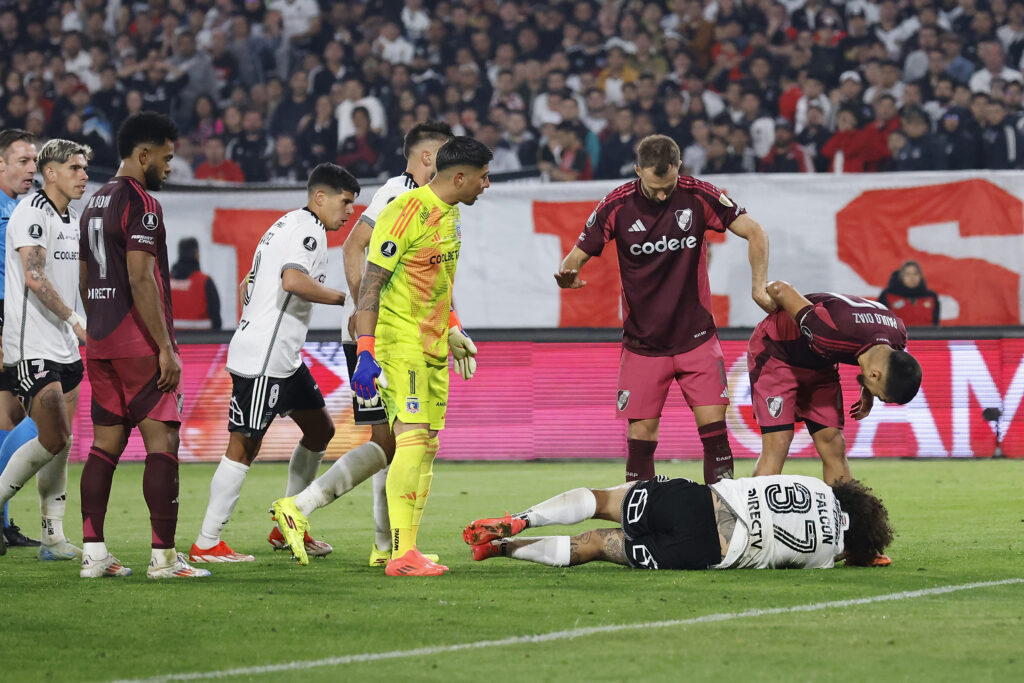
(417, 237)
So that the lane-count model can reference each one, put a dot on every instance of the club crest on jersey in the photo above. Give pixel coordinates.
(774, 405)
(684, 218)
(725, 201)
(388, 249)
(309, 243)
(150, 221)
(622, 400)
(458, 228)
(412, 405)
(35, 231)
(592, 219)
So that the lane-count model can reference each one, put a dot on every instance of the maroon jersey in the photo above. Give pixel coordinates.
(666, 299)
(836, 328)
(119, 218)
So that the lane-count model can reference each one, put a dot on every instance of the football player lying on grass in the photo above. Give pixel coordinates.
(778, 521)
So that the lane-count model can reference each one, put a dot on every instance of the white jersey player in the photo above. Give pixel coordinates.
(777, 521)
(268, 376)
(40, 349)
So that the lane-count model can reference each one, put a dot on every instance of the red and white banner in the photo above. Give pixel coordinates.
(531, 400)
(828, 232)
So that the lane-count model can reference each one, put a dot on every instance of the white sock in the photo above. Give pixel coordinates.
(550, 550)
(52, 483)
(571, 507)
(25, 462)
(162, 557)
(302, 468)
(96, 551)
(351, 469)
(225, 490)
(381, 519)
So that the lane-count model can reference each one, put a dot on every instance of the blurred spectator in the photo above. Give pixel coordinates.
(201, 78)
(696, 153)
(251, 149)
(519, 141)
(1000, 139)
(318, 132)
(294, 108)
(859, 148)
(391, 46)
(909, 298)
(194, 296)
(355, 96)
(217, 166)
(813, 138)
(286, 166)
(183, 162)
(814, 93)
(921, 151)
(959, 144)
(959, 67)
(616, 74)
(205, 121)
(572, 161)
(993, 59)
(785, 155)
(360, 152)
(759, 126)
(719, 159)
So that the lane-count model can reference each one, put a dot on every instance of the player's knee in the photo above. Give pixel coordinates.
(54, 440)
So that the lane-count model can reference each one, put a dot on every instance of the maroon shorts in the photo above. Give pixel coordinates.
(782, 393)
(124, 392)
(644, 381)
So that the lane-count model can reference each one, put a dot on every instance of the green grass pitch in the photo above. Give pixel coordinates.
(957, 523)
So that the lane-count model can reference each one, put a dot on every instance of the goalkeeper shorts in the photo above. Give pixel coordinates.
(417, 392)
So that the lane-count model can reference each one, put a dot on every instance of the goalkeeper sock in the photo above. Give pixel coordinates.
(381, 520)
(302, 468)
(640, 459)
(717, 453)
(225, 490)
(571, 507)
(346, 473)
(553, 551)
(52, 483)
(423, 489)
(402, 484)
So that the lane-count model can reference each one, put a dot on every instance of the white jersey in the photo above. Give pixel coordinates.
(274, 322)
(782, 521)
(31, 330)
(400, 184)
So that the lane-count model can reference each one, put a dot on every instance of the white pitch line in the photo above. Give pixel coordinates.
(570, 634)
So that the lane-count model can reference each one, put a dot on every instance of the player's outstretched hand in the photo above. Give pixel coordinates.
(764, 300)
(365, 378)
(463, 352)
(170, 371)
(569, 279)
(860, 409)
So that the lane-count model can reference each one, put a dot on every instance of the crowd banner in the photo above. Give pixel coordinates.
(557, 400)
(841, 233)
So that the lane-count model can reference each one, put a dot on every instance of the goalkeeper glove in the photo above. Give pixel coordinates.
(367, 373)
(463, 348)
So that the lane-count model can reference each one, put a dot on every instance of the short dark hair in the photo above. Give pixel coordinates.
(188, 248)
(903, 377)
(11, 135)
(144, 128)
(658, 151)
(463, 150)
(869, 533)
(428, 130)
(332, 177)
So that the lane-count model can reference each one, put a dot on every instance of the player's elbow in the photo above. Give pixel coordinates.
(776, 289)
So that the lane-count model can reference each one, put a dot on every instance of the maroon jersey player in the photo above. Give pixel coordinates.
(658, 223)
(132, 357)
(792, 358)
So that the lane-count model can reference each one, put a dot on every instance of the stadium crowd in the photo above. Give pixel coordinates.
(266, 90)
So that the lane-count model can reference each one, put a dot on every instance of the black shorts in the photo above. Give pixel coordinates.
(361, 415)
(670, 524)
(27, 377)
(256, 401)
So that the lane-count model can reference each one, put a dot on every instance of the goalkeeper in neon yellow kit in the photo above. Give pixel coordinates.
(403, 325)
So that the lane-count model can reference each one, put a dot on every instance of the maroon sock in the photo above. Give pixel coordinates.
(160, 488)
(97, 476)
(640, 459)
(717, 453)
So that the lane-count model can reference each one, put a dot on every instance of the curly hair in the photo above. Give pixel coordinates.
(869, 533)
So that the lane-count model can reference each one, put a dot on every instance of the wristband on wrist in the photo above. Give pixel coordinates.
(453, 321)
(365, 342)
(75, 319)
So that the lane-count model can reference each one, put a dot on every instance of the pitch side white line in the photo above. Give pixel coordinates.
(570, 634)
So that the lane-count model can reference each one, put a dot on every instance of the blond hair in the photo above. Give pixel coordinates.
(58, 151)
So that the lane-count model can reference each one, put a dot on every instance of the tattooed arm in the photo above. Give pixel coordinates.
(373, 282)
(33, 261)
(600, 544)
(726, 520)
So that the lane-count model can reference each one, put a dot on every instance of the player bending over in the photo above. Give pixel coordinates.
(777, 522)
(131, 355)
(405, 302)
(268, 377)
(41, 348)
